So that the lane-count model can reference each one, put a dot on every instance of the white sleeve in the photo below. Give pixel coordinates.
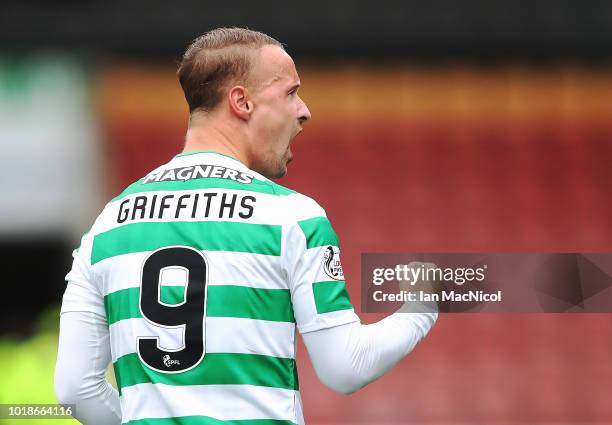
(82, 292)
(82, 358)
(350, 356)
(316, 281)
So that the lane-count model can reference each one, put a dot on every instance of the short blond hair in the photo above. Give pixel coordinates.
(215, 59)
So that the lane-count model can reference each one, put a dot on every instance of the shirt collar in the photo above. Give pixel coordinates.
(206, 151)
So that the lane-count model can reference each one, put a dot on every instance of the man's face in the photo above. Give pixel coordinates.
(278, 111)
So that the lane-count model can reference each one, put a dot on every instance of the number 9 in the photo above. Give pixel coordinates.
(190, 315)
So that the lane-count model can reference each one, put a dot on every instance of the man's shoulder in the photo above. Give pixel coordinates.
(300, 206)
(278, 189)
(310, 222)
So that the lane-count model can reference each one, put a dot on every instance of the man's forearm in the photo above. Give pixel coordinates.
(351, 356)
(83, 355)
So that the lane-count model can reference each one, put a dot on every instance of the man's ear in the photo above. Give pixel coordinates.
(240, 103)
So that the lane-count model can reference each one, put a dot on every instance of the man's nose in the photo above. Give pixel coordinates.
(304, 113)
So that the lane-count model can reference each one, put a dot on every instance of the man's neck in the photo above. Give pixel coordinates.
(201, 137)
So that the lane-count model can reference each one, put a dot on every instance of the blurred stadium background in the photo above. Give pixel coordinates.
(437, 126)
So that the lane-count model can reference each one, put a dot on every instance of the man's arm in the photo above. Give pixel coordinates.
(82, 358)
(84, 347)
(346, 354)
(350, 356)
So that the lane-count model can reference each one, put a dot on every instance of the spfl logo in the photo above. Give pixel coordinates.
(331, 263)
(168, 362)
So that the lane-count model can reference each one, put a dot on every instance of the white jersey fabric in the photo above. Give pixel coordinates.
(194, 280)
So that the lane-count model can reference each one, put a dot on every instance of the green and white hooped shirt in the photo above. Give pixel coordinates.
(204, 269)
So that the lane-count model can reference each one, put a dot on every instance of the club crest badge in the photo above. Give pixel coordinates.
(331, 263)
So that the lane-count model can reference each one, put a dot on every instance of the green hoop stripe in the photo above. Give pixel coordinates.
(318, 232)
(206, 420)
(223, 301)
(331, 296)
(205, 235)
(214, 369)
